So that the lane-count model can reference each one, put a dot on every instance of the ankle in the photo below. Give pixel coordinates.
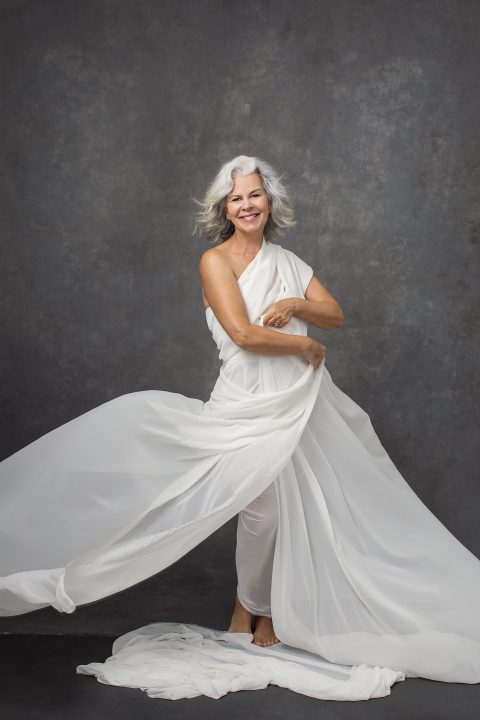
(240, 609)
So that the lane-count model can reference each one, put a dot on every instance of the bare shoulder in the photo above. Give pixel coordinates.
(213, 260)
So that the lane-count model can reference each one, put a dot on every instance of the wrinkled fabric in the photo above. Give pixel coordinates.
(174, 661)
(364, 576)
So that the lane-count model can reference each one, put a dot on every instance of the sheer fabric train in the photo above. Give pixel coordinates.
(367, 588)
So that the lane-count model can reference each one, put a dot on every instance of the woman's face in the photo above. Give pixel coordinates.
(248, 205)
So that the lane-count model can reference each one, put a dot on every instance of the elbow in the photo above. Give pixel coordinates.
(335, 317)
(242, 337)
(340, 317)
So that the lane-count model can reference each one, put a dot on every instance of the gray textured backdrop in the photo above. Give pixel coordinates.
(117, 114)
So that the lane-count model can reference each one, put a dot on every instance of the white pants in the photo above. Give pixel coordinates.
(256, 535)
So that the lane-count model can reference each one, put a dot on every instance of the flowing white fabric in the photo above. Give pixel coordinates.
(368, 587)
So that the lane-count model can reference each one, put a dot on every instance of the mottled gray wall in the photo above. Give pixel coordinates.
(116, 114)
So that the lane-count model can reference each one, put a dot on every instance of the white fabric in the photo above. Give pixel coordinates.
(256, 539)
(173, 661)
(363, 574)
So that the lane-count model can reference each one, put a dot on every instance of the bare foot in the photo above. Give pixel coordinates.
(264, 634)
(241, 621)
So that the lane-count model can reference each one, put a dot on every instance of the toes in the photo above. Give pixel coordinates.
(265, 643)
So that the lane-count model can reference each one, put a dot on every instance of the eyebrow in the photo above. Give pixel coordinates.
(251, 191)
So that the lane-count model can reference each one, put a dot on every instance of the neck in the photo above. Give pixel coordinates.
(247, 242)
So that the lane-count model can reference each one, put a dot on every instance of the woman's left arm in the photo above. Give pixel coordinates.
(318, 307)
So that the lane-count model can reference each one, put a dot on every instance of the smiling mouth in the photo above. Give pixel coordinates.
(249, 218)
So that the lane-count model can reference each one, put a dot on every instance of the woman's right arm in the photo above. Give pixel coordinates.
(221, 289)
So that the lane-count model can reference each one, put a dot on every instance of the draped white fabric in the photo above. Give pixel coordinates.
(367, 586)
(173, 661)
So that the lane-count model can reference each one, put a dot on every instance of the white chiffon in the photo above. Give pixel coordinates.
(367, 587)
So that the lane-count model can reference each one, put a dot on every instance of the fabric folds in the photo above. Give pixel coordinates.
(368, 586)
(174, 661)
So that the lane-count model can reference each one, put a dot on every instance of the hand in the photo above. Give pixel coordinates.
(279, 313)
(315, 354)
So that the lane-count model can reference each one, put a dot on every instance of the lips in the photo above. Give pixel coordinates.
(249, 218)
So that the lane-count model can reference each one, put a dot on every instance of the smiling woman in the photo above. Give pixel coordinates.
(242, 212)
(347, 583)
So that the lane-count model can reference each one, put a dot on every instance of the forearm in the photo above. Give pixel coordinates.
(265, 341)
(324, 313)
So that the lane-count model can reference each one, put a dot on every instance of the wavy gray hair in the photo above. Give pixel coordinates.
(211, 219)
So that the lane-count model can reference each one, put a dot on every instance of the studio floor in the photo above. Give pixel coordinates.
(39, 682)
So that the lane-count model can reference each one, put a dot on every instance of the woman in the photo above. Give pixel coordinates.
(240, 217)
(337, 557)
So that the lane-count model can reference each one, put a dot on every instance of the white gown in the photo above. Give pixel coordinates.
(368, 587)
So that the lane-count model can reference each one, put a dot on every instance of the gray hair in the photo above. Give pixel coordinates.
(211, 219)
